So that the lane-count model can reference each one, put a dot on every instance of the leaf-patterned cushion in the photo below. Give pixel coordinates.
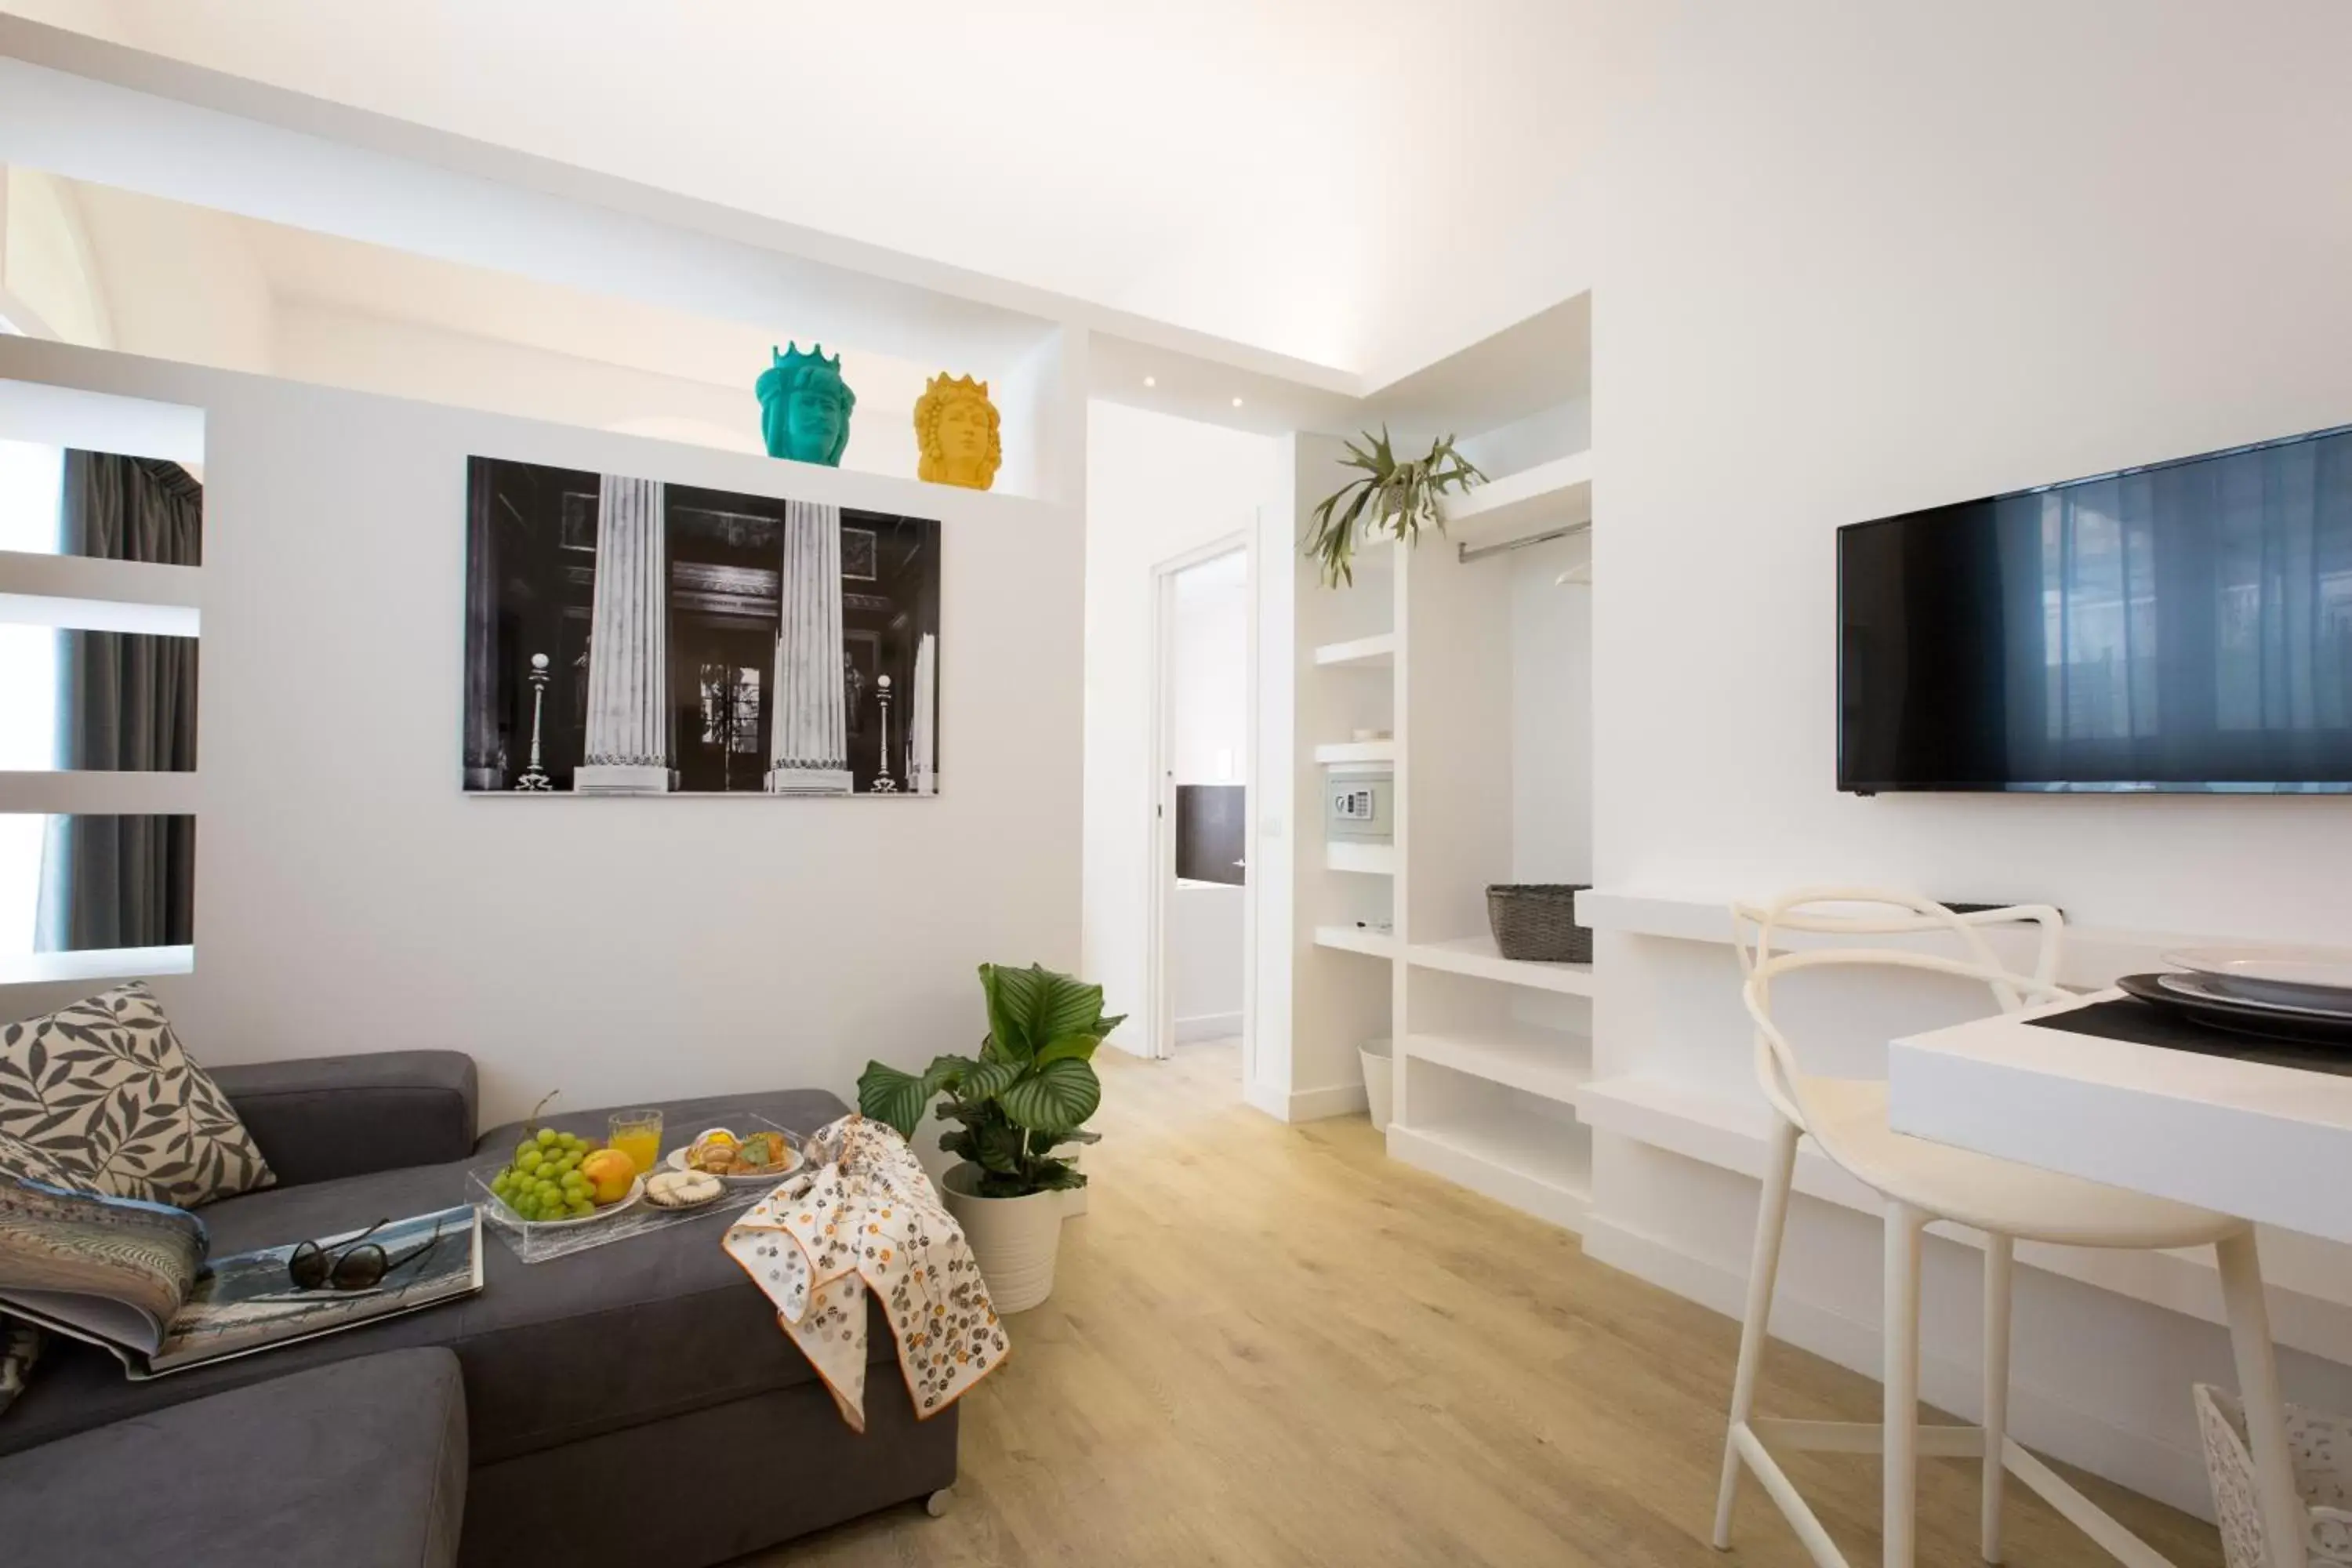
(100, 1096)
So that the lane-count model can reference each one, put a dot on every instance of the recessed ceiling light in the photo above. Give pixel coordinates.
(1237, 403)
(1152, 381)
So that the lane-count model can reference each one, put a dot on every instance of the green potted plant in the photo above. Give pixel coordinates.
(1028, 1093)
(1392, 497)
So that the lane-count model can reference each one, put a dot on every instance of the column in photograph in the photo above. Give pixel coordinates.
(808, 724)
(627, 743)
(923, 720)
(485, 758)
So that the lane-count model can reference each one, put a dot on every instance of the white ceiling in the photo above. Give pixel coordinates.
(1368, 185)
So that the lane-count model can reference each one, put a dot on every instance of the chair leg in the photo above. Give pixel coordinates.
(2001, 1254)
(1772, 1218)
(1905, 1226)
(2250, 1337)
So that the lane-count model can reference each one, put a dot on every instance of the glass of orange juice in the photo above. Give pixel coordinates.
(639, 1134)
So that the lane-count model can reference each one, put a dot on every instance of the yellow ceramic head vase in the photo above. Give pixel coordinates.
(956, 428)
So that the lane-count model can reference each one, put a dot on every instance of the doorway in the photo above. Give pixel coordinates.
(1202, 920)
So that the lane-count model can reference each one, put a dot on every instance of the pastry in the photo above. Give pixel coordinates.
(682, 1189)
(761, 1152)
(715, 1152)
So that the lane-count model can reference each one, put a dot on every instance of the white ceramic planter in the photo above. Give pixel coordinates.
(1015, 1239)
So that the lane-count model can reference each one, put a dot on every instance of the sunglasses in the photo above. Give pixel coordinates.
(354, 1264)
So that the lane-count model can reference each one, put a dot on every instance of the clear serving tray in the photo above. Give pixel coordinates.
(534, 1242)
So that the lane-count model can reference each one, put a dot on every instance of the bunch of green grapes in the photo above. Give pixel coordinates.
(543, 1180)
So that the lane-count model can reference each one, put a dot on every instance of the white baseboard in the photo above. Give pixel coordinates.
(1307, 1104)
(1208, 1027)
(2170, 1475)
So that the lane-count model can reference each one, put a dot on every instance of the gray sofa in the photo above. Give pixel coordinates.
(639, 1392)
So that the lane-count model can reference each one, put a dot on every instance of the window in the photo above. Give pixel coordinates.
(104, 680)
(31, 478)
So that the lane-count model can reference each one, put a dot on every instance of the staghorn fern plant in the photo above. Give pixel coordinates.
(1029, 1092)
(1397, 498)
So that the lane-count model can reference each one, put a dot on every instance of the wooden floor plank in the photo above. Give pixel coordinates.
(1274, 1345)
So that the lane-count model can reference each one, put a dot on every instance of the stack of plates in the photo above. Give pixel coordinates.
(2299, 993)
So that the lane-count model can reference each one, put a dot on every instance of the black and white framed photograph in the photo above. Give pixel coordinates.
(628, 637)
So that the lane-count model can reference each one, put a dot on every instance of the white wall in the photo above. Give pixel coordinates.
(1155, 488)
(44, 258)
(1551, 715)
(1865, 259)
(349, 898)
(1548, 433)
(180, 282)
(339, 347)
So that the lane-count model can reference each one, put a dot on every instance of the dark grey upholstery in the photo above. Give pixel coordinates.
(714, 1484)
(362, 1464)
(347, 1115)
(583, 1375)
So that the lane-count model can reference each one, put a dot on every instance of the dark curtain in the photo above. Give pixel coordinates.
(126, 702)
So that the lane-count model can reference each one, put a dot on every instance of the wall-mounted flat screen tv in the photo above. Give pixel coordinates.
(2182, 627)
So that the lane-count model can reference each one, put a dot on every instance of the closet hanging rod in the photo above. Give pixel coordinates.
(1467, 553)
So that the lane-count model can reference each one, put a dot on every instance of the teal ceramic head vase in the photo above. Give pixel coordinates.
(804, 406)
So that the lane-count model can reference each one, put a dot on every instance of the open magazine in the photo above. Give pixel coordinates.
(132, 1277)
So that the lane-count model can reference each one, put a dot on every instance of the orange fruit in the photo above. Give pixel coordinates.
(610, 1172)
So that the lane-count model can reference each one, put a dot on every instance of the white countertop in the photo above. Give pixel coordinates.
(2262, 1143)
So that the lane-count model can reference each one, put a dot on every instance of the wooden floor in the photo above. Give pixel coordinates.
(1273, 1345)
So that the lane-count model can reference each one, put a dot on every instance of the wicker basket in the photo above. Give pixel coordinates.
(1537, 920)
(2322, 1449)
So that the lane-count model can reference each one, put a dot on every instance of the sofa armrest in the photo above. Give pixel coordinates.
(324, 1117)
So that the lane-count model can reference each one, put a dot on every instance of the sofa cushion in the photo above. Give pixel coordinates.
(318, 1117)
(362, 1464)
(100, 1096)
(656, 1325)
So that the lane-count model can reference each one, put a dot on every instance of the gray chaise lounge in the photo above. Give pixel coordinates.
(638, 1392)
(361, 1464)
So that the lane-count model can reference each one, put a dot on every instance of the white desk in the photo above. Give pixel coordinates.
(2267, 1143)
(2260, 1142)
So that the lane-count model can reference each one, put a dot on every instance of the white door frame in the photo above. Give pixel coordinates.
(1159, 821)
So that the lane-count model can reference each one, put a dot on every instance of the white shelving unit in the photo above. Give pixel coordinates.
(1355, 752)
(1531, 1170)
(1371, 859)
(1544, 496)
(1551, 1064)
(1357, 939)
(1491, 1056)
(1476, 955)
(1376, 652)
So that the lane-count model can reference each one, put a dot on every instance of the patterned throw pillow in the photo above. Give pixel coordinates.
(100, 1096)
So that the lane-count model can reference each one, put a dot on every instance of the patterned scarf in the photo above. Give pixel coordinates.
(864, 1215)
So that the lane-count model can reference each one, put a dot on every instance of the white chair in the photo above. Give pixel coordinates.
(1923, 1182)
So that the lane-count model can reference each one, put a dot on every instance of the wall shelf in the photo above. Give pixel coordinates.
(1551, 1064)
(1528, 1166)
(1475, 955)
(1355, 752)
(1372, 859)
(2091, 956)
(1361, 653)
(1357, 939)
(1544, 496)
